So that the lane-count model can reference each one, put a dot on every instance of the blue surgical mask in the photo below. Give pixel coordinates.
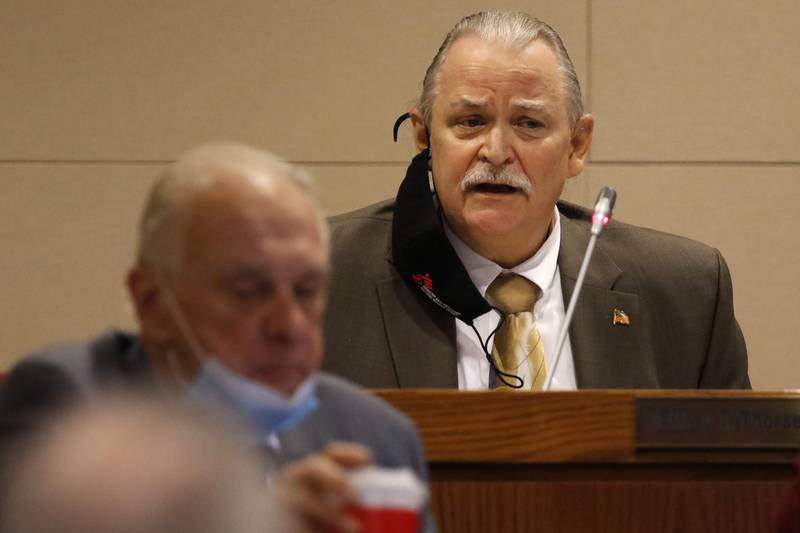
(263, 410)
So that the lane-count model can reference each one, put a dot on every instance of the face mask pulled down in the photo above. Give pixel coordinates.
(263, 410)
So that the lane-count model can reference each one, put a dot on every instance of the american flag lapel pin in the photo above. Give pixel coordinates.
(620, 318)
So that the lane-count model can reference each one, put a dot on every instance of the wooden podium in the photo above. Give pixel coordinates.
(616, 461)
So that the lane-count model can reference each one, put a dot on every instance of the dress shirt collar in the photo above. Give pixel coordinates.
(540, 268)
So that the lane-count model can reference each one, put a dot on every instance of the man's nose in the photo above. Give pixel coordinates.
(496, 148)
(284, 316)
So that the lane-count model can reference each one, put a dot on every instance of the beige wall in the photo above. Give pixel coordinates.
(695, 105)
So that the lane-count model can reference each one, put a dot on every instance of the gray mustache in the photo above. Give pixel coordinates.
(481, 174)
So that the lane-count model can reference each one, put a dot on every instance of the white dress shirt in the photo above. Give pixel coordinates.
(541, 269)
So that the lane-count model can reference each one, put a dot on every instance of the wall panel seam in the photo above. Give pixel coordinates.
(594, 162)
(691, 163)
(166, 162)
(589, 62)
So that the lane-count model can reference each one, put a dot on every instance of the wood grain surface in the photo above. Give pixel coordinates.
(536, 427)
(607, 506)
(503, 426)
(567, 462)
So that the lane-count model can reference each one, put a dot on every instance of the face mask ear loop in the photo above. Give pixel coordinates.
(183, 326)
(175, 368)
(502, 376)
(397, 123)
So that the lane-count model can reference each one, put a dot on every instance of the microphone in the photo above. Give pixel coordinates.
(603, 208)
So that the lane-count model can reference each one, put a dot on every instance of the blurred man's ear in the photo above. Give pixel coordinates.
(581, 140)
(158, 332)
(420, 131)
(145, 294)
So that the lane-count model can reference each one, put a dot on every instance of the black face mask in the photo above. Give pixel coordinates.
(422, 253)
(426, 260)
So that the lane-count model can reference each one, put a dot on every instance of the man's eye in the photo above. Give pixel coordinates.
(308, 291)
(471, 122)
(248, 293)
(529, 123)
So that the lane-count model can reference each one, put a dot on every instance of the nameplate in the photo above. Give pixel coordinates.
(717, 422)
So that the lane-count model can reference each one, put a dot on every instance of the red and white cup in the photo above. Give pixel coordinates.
(388, 500)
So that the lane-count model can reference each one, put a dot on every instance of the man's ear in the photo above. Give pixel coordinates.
(420, 131)
(581, 140)
(145, 294)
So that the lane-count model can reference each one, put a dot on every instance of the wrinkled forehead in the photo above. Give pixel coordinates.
(494, 62)
(472, 56)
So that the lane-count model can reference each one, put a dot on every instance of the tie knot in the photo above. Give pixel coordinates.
(512, 293)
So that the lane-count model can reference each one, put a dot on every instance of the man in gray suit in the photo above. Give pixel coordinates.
(229, 291)
(499, 129)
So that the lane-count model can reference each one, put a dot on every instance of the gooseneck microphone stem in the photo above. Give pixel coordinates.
(600, 218)
(562, 334)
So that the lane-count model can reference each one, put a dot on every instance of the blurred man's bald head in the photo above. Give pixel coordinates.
(200, 170)
(136, 466)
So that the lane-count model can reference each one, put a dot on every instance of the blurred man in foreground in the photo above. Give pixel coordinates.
(134, 465)
(229, 290)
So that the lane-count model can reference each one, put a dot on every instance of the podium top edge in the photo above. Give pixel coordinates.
(615, 393)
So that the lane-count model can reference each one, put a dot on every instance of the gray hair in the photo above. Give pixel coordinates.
(513, 28)
(197, 170)
(133, 464)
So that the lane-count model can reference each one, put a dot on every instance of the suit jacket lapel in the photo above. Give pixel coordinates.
(605, 355)
(422, 337)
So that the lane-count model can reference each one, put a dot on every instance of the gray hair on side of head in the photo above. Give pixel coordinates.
(513, 28)
(160, 225)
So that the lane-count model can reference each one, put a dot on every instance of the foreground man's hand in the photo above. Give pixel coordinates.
(315, 490)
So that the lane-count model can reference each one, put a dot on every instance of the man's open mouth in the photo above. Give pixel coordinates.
(494, 188)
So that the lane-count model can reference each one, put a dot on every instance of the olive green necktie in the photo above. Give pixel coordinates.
(517, 344)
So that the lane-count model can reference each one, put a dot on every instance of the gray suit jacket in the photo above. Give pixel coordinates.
(381, 332)
(42, 384)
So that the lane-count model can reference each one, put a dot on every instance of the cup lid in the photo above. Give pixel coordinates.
(388, 487)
